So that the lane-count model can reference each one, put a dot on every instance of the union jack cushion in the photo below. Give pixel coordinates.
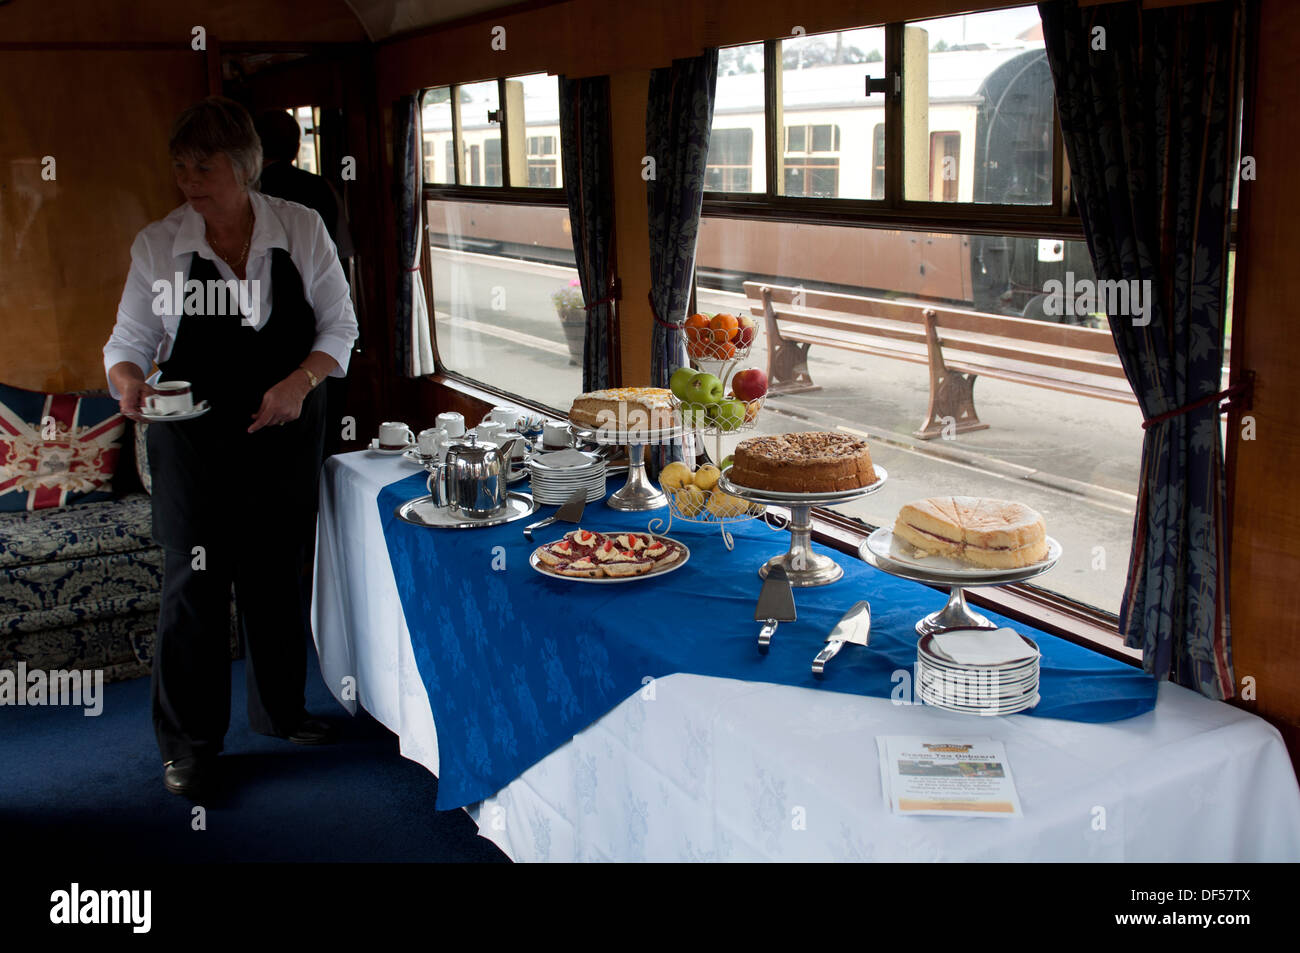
(56, 449)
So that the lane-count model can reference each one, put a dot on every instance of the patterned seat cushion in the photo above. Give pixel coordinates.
(56, 449)
(114, 643)
(81, 595)
(76, 532)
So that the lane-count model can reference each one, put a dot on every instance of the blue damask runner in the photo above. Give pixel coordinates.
(517, 663)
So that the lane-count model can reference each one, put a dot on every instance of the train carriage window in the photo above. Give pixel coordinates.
(731, 157)
(988, 87)
(878, 161)
(500, 268)
(436, 134)
(507, 309)
(737, 145)
(828, 149)
(1072, 455)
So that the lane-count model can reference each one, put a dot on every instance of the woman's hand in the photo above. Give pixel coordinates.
(130, 384)
(283, 402)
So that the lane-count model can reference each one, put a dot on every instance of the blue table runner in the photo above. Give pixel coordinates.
(516, 663)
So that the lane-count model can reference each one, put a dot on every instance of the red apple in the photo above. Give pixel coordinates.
(745, 333)
(750, 384)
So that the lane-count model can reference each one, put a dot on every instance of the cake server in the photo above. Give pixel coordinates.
(854, 626)
(570, 511)
(775, 604)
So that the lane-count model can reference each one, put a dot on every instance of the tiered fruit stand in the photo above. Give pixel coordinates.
(712, 506)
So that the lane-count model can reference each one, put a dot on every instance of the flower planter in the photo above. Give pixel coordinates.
(574, 321)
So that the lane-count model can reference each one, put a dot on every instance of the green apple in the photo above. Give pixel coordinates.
(704, 389)
(729, 414)
(679, 381)
(726, 462)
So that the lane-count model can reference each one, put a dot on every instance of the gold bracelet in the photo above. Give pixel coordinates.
(310, 376)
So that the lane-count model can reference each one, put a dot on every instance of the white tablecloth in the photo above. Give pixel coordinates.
(696, 768)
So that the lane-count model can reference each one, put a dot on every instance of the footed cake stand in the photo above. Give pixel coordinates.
(802, 565)
(956, 614)
(638, 493)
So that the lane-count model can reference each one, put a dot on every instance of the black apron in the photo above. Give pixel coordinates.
(214, 483)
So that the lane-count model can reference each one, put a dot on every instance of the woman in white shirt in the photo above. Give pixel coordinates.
(241, 295)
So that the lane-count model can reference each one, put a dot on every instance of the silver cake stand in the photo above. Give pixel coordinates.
(956, 614)
(802, 565)
(638, 493)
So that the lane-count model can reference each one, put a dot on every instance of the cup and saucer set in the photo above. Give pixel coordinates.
(510, 430)
(173, 402)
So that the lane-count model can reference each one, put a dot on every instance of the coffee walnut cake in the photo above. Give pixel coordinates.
(817, 462)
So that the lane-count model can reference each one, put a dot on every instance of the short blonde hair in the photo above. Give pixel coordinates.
(218, 124)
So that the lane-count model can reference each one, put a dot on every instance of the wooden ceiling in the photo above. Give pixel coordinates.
(161, 21)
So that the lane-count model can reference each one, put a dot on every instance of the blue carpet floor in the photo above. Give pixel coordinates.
(92, 788)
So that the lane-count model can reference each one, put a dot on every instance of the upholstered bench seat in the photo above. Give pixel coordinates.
(32, 537)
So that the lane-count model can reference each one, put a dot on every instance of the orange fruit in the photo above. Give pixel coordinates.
(697, 328)
(721, 352)
(724, 327)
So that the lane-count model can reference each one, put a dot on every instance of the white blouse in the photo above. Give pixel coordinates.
(162, 249)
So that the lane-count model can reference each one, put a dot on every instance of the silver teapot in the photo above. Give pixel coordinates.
(472, 480)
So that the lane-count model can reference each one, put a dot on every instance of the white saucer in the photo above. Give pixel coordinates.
(374, 448)
(201, 408)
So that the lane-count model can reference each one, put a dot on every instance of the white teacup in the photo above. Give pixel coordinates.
(395, 435)
(451, 423)
(490, 431)
(173, 397)
(555, 433)
(432, 442)
(512, 418)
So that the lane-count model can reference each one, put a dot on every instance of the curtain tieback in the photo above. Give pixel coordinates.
(1242, 390)
(416, 268)
(654, 313)
(615, 294)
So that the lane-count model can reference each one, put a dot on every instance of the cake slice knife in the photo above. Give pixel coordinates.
(775, 604)
(854, 626)
(570, 511)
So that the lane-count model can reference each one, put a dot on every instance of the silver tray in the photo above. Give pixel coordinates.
(421, 512)
(806, 499)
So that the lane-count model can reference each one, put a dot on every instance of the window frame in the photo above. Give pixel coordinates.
(1057, 219)
(1094, 628)
(504, 194)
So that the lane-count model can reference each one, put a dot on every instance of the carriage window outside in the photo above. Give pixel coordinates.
(1074, 456)
(309, 144)
(829, 150)
(988, 119)
(506, 306)
(736, 146)
(530, 115)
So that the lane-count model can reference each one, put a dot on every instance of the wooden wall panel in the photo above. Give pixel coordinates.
(167, 21)
(65, 243)
(1266, 518)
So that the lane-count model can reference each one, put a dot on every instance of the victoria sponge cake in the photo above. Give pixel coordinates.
(631, 409)
(991, 534)
(817, 462)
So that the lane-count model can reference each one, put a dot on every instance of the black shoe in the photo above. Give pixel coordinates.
(312, 731)
(188, 777)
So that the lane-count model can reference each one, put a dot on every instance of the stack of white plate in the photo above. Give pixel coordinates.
(556, 475)
(990, 688)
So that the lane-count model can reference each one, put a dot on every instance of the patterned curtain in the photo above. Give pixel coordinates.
(679, 117)
(585, 136)
(414, 345)
(1146, 104)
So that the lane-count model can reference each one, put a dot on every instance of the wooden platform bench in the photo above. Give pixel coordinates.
(956, 345)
